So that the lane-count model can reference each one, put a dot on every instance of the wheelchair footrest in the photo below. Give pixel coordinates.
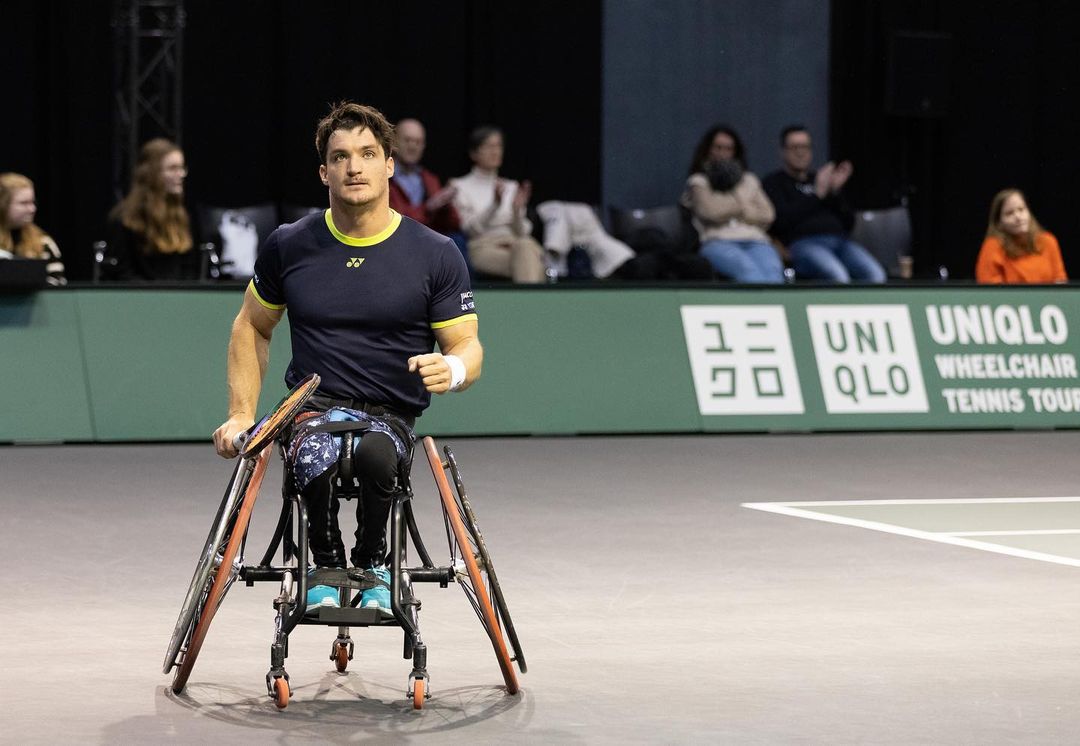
(351, 577)
(350, 617)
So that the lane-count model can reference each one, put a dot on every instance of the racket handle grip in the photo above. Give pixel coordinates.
(239, 440)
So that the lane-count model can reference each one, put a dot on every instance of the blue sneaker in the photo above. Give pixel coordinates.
(319, 596)
(379, 596)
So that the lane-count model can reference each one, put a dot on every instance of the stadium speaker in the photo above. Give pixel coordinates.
(919, 74)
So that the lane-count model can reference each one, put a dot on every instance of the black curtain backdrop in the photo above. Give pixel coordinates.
(258, 75)
(55, 119)
(1013, 79)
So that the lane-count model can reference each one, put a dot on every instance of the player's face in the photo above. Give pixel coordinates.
(22, 209)
(356, 169)
(1015, 218)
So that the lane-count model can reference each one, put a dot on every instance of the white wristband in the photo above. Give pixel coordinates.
(457, 371)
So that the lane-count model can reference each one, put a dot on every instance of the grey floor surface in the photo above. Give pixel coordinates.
(652, 607)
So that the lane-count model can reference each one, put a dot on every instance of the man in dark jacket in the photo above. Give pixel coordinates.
(812, 217)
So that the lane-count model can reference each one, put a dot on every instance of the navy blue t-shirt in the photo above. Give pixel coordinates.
(360, 308)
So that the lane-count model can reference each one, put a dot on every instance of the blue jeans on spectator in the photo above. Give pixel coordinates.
(835, 258)
(744, 261)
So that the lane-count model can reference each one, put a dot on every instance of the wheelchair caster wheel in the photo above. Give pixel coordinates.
(341, 657)
(418, 693)
(281, 693)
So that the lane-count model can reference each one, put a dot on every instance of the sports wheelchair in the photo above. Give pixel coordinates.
(221, 563)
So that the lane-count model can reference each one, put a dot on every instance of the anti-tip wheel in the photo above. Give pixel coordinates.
(341, 657)
(418, 694)
(281, 693)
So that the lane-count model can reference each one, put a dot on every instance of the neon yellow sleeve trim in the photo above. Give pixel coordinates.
(453, 322)
(271, 306)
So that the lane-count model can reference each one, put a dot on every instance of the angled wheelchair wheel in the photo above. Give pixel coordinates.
(225, 522)
(218, 567)
(475, 570)
(498, 601)
(219, 533)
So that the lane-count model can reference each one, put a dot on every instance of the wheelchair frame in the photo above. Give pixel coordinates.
(221, 564)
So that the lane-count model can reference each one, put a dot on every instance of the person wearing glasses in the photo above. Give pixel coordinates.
(813, 218)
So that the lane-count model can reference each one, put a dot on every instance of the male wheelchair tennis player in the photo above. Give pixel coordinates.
(222, 562)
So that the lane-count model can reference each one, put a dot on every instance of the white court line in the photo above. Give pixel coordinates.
(789, 509)
(1029, 532)
(916, 501)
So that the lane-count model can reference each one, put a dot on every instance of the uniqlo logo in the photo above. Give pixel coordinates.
(741, 360)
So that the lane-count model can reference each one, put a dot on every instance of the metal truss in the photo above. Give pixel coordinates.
(148, 49)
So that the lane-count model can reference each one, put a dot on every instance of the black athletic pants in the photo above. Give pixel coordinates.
(375, 465)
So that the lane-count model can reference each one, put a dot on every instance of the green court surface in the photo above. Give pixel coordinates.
(1039, 528)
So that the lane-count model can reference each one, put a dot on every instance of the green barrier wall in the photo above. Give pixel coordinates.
(114, 365)
(886, 358)
(44, 396)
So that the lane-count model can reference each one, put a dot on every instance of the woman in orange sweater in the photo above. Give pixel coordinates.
(1017, 250)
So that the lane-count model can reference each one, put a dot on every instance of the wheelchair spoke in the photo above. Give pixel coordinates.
(470, 594)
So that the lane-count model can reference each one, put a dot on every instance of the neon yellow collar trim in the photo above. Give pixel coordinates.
(385, 233)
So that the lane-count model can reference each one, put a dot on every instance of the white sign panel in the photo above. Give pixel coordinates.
(742, 360)
(867, 359)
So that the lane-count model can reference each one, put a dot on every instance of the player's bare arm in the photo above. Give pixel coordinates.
(249, 353)
(460, 340)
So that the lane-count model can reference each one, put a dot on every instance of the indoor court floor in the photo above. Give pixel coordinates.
(773, 589)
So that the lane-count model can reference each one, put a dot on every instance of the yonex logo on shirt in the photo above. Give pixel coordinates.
(354, 262)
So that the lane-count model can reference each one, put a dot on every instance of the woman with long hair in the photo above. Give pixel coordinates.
(20, 237)
(730, 210)
(150, 229)
(1017, 249)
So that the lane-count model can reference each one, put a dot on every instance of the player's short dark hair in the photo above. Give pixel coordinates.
(348, 115)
